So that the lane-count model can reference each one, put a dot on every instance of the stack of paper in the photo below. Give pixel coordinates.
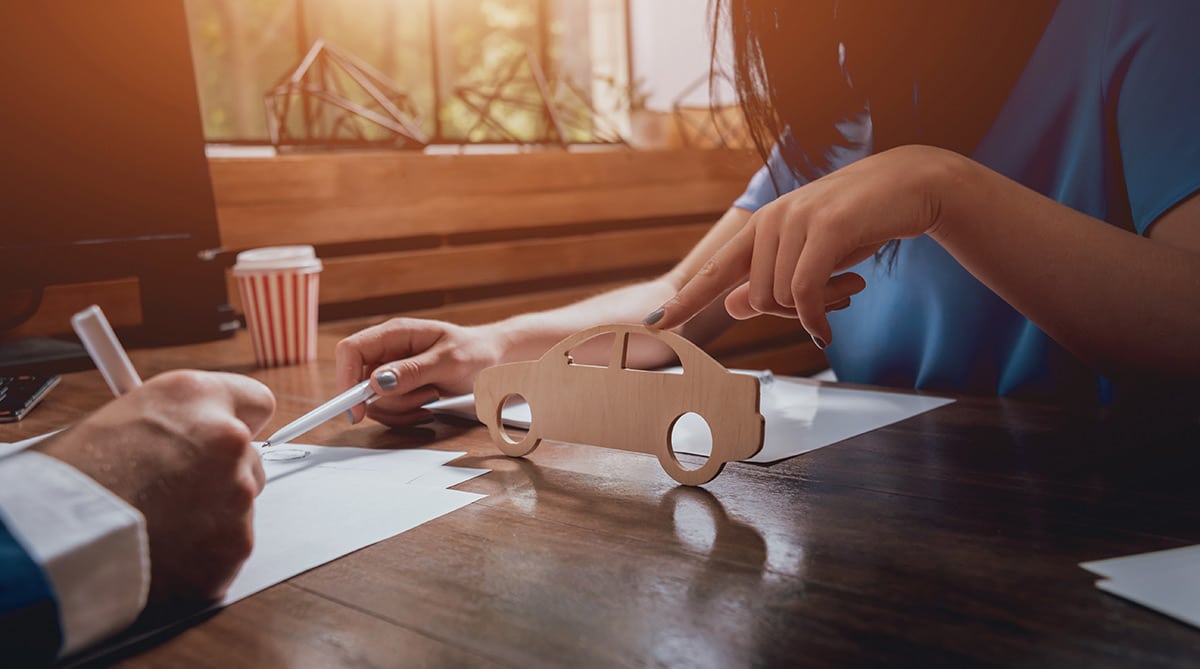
(323, 502)
(1166, 581)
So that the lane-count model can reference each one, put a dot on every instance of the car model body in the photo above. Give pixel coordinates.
(629, 409)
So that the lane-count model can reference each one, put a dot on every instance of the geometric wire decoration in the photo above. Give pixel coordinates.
(568, 114)
(314, 97)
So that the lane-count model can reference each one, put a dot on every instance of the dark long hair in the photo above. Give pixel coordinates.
(931, 71)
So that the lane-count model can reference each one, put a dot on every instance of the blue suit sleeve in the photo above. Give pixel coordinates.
(1153, 96)
(29, 625)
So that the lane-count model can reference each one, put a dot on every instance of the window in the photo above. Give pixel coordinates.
(458, 70)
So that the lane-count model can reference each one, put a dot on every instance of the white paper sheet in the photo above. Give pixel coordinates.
(447, 477)
(403, 464)
(1136, 565)
(1175, 595)
(315, 515)
(1164, 581)
(801, 416)
(322, 502)
(326, 504)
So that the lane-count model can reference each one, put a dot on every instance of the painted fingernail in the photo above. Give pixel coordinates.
(350, 415)
(819, 342)
(386, 379)
(654, 317)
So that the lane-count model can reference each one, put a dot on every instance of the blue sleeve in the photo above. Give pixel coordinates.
(776, 179)
(1153, 98)
(29, 626)
(762, 189)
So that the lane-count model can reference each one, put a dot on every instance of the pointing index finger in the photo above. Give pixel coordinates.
(728, 267)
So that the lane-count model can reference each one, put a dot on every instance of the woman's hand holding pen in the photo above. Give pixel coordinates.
(411, 362)
(782, 261)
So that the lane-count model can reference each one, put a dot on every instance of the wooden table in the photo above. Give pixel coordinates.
(949, 539)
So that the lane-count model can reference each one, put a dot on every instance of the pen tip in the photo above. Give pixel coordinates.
(266, 444)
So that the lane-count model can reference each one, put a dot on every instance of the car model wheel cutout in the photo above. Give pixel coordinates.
(516, 442)
(691, 436)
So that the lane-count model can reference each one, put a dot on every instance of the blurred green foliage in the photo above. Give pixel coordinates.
(242, 48)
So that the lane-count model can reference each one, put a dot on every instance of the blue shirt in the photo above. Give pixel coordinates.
(1102, 119)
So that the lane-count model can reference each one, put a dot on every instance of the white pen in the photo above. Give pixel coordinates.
(101, 342)
(331, 409)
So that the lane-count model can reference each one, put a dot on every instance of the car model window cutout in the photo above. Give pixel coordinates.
(592, 352)
(620, 349)
(647, 348)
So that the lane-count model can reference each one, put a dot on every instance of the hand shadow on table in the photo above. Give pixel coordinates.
(730, 540)
(156, 625)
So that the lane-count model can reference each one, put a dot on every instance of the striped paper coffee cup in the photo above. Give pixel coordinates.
(278, 287)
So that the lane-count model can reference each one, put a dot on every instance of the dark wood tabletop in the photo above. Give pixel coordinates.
(949, 539)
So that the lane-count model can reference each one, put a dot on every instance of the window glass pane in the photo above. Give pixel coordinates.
(496, 61)
(240, 48)
(607, 72)
(485, 81)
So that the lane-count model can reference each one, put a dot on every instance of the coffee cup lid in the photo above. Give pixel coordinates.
(278, 258)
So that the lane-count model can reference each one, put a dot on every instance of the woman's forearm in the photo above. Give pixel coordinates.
(527, 336)
(1125, 304)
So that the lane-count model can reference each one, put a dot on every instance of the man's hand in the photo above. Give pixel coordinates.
(178, 449)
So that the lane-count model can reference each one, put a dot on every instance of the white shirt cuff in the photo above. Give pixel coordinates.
(89, 542)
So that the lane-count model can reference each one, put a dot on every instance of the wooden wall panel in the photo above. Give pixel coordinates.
(482, 237)
(358, 277)
(332, 198)
(455, 223)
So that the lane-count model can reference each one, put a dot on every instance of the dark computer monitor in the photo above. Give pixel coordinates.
(102, 166)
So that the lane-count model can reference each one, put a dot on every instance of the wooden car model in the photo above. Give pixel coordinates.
(629, 409)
